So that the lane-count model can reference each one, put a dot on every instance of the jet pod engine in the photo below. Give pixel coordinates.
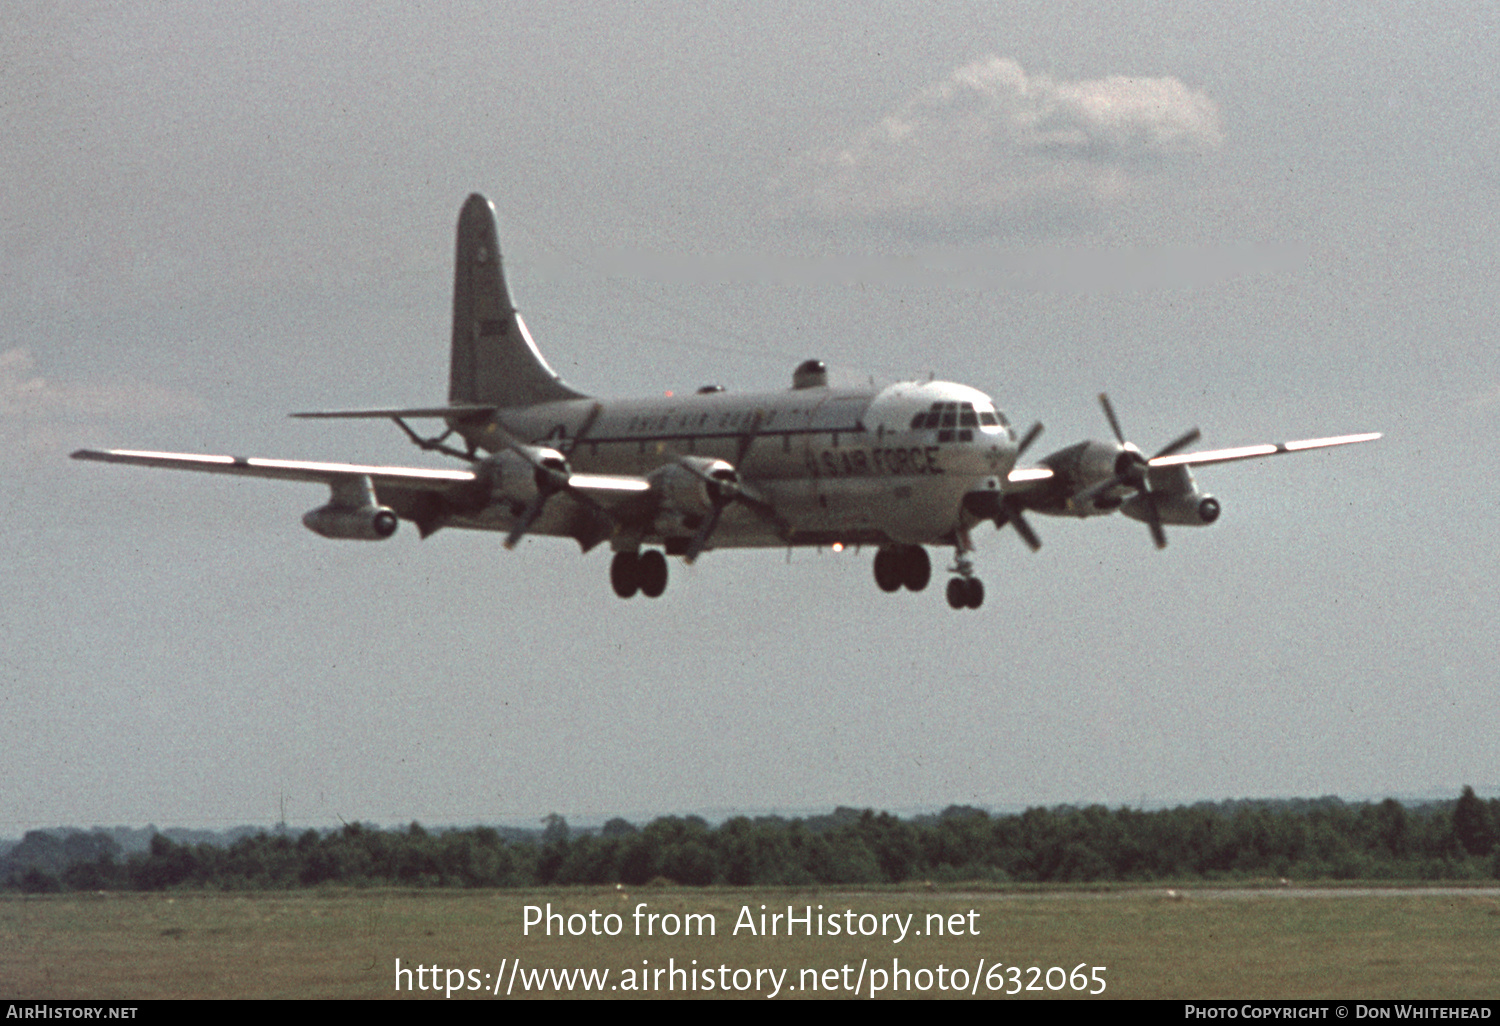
(369, 523)
(352, 513)
(1176, 497)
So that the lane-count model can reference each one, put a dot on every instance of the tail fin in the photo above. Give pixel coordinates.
(495, 361)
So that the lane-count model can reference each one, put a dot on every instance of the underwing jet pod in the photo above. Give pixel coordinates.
(897, 468)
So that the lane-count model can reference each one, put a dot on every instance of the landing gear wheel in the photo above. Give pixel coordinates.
(888, 570)
(652, 571)
(916, 568)
(958, 594)
(974, 589)
(625, 573)
(965, 592)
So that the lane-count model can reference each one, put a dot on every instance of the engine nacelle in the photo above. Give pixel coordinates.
(1081, 466)
(518, 480)
(695, 484)
(1194, 510)
(353, 512)
(361, 523)
(1178, 500)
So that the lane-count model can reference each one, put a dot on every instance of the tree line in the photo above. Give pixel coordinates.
(1319, 839)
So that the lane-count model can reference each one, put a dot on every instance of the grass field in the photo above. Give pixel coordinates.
(345, 944)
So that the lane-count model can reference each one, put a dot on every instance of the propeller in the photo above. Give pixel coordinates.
(723, 488)
(1131, 470)
(1010, 509)
(552, 475)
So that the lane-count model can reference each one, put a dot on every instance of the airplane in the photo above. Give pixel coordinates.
(897, 468)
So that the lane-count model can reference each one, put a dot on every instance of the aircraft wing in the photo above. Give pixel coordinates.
(1023, 476)
(1026, 479)
(1252, 452)
(601, 487)
(431, 497)
(422, 478)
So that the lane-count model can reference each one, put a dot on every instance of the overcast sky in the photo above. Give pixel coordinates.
(1269, 223)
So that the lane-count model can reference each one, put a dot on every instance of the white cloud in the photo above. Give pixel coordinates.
(990, 148)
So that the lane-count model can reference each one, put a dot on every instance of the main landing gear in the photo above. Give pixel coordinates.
(906, 566)
(645, 572)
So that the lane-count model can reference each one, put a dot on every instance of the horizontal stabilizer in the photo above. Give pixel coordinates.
(466, 411)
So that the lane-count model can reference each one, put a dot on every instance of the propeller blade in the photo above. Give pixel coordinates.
(1153, 519)
(532, 511)
(1181, 443)
(748, 438)
(1024, 530)
(1030, 436)
(1092, 492)
(700, 540)
(1109, 414)
(1009, 512)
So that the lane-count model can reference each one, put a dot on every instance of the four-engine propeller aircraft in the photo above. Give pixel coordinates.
(897, 468)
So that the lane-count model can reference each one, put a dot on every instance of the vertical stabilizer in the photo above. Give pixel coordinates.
(495, 362)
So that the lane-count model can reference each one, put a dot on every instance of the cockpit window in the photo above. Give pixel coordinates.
(955, 421)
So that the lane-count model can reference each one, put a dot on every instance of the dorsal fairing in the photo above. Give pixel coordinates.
(494, 360)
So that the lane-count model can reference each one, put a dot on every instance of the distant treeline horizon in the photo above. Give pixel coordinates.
(1290, 839)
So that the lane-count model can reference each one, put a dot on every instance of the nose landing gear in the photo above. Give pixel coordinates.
(964, 591)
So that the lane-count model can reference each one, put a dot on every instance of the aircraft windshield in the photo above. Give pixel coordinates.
(956, 421)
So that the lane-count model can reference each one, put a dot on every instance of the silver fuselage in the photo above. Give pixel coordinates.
(839, 465)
